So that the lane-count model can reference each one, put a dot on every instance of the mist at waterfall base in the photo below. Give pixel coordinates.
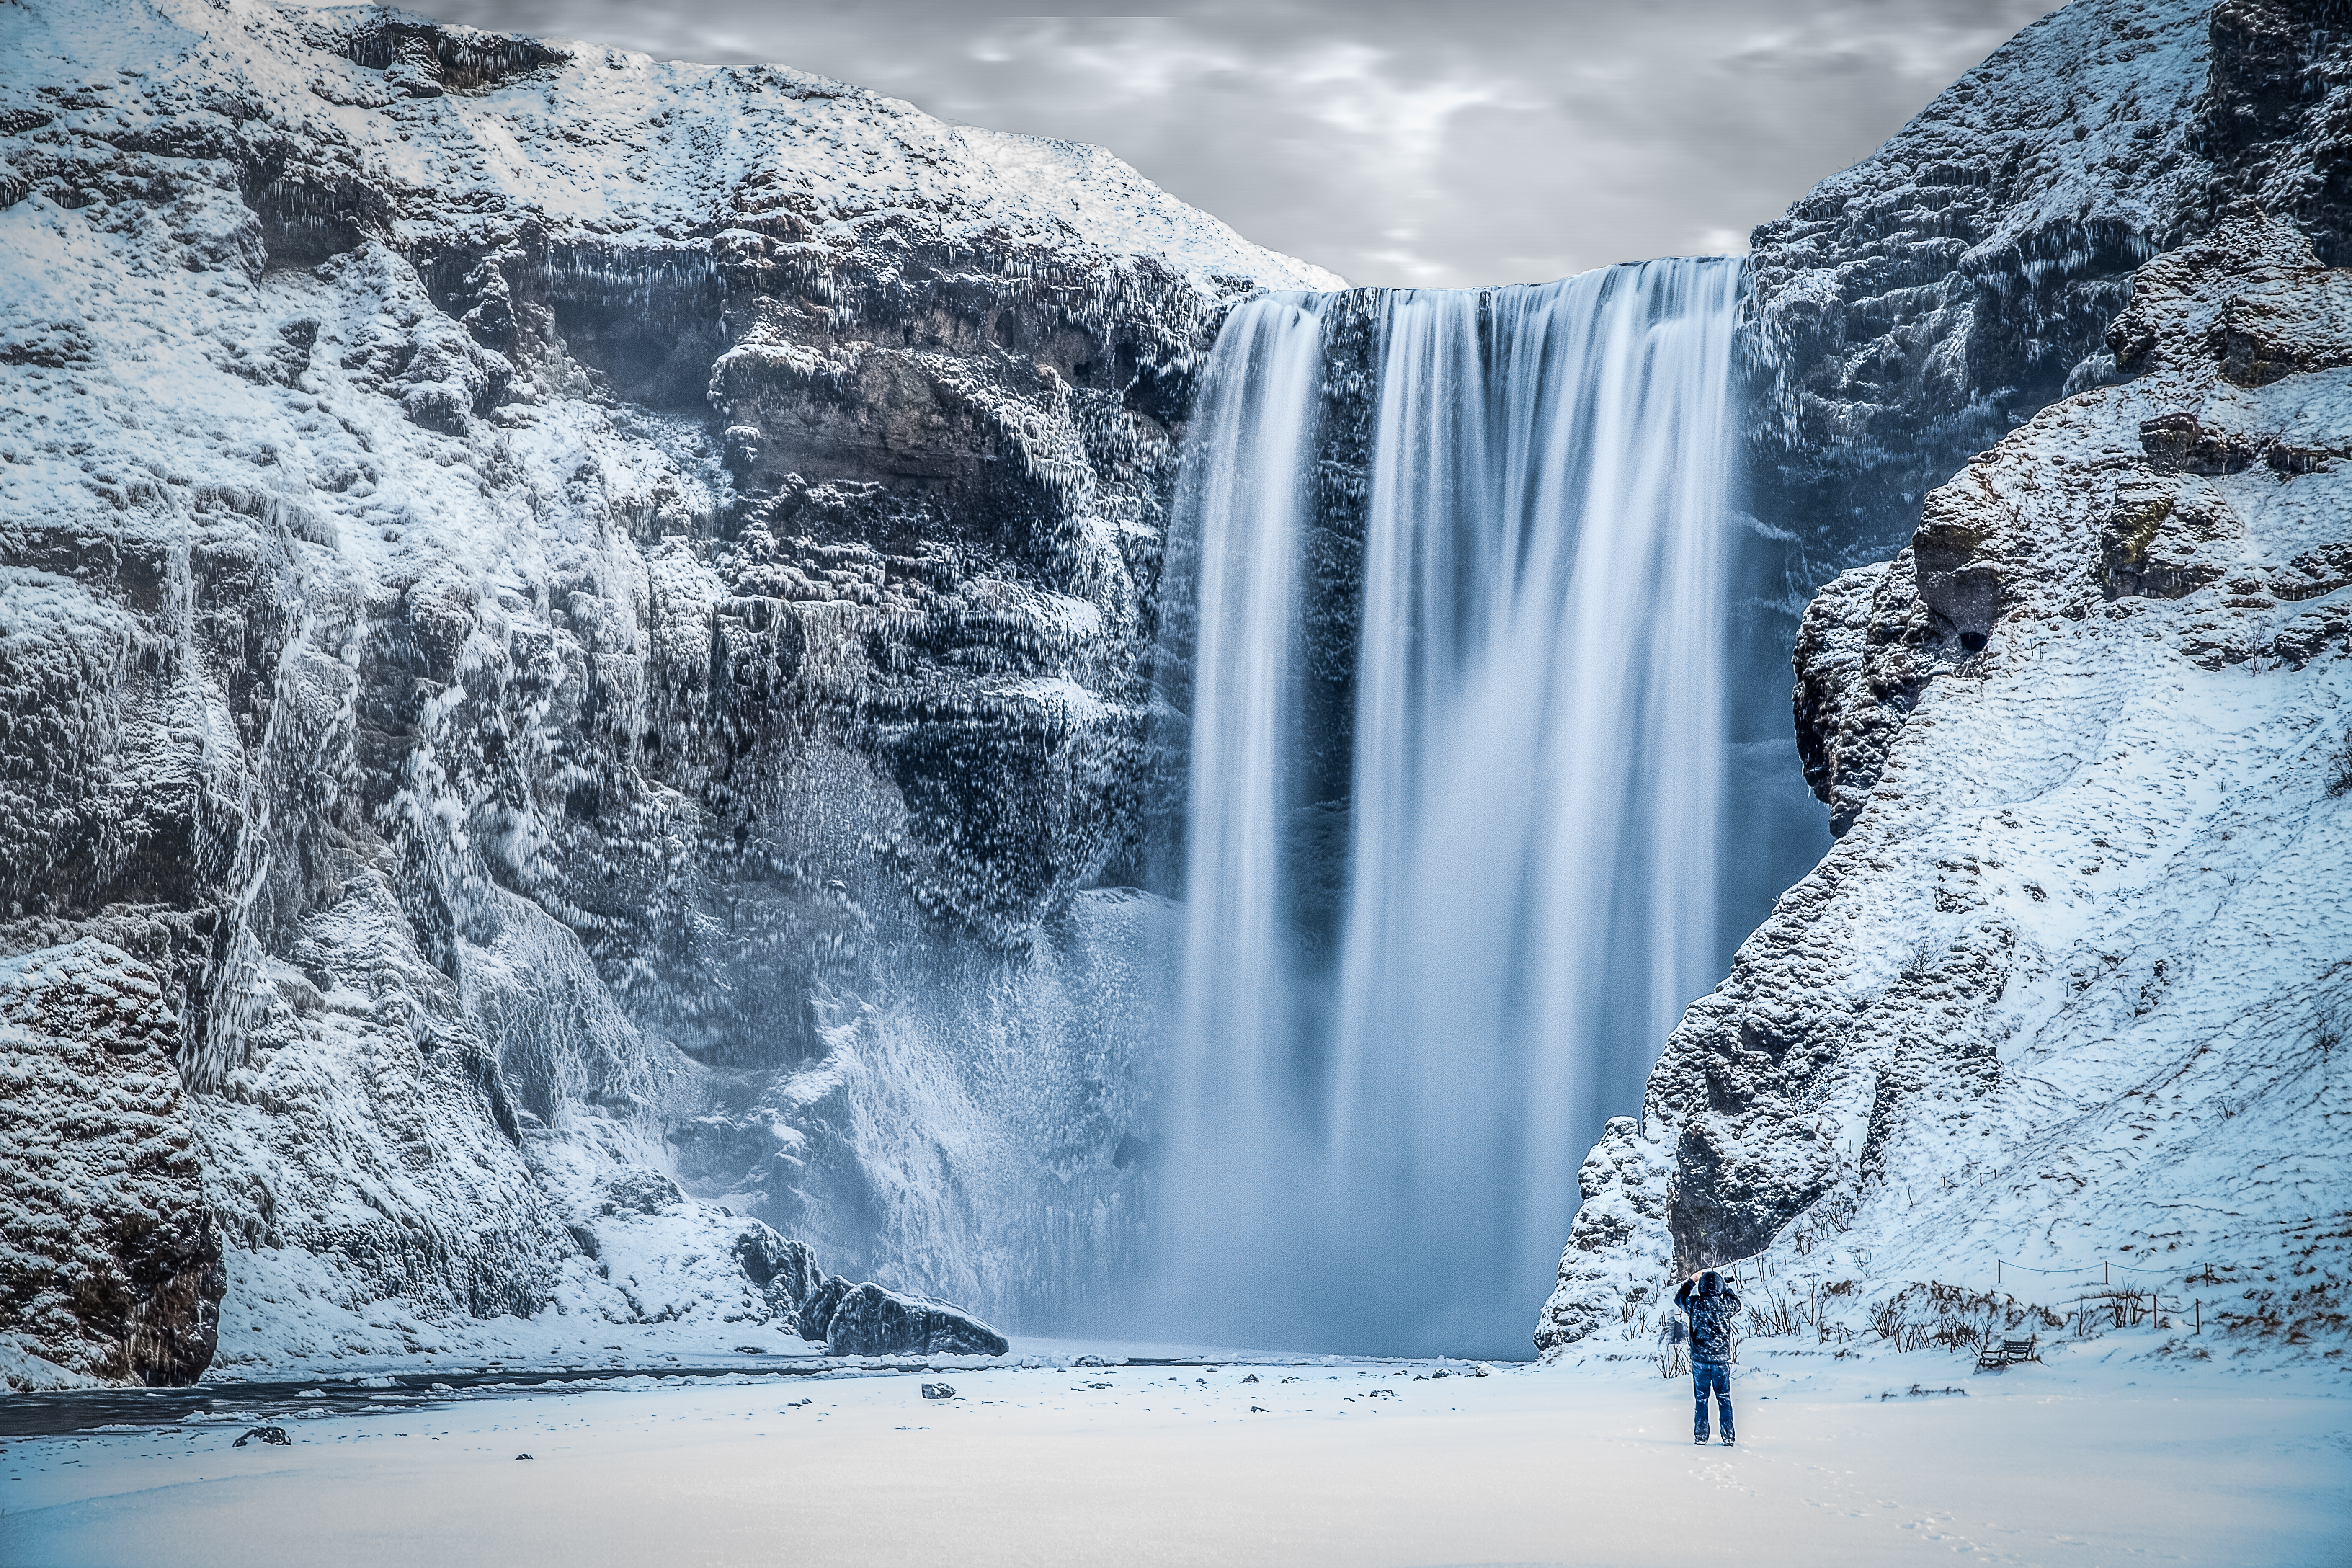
(1458, 740)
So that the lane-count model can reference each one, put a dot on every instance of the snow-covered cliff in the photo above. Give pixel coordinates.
(2070, 992)
(1917, 307)
(572, 640)
(2066, 992)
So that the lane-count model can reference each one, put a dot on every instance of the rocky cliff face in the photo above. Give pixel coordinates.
(1914, 309)
(2071, 987)
(2067, 988)
(575, 621)
(1918, 306)
(110, 1259)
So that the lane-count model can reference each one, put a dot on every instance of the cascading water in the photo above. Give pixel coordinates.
(1444, 903)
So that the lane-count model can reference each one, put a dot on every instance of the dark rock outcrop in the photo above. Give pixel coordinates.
(1980, 266)
(1918, 306)
(816, 1309)
(2276, 119)
(2238, 307)
(1914, 308)
(871, 1321)
(785, 1271)
(110, 1266)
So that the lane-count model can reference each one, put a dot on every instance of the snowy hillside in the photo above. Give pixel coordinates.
(576, 623)
(2052, 1041)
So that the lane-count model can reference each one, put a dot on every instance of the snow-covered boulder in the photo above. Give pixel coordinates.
(2069, 993)
(868, 1320)
(671, 1259)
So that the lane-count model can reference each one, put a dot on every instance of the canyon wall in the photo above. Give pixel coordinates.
(2066, 992)
(574, 647)
(1914, 308)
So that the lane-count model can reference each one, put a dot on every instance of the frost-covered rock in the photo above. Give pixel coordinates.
(868, 1320)
(1914, 308)
(108, 1265)
(582, 613)
(672, 1258)
(1625, 1183)
(2071, 989)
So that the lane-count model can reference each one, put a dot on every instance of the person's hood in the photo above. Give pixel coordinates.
(1710, 1283)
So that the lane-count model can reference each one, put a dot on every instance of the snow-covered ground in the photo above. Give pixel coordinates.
(556, 1345)
(2085, 1462)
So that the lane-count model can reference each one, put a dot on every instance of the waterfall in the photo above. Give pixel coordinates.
(1447, 889)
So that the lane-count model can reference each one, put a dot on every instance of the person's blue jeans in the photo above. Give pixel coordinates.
(1714, 1375)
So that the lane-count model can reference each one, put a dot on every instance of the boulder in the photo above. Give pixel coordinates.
(871, 1321)
(817, 1308)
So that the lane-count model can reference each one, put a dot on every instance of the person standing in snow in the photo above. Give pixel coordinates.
(1710, 1306)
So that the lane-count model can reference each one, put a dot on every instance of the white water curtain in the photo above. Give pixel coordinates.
(1376, 1148)
(1247, 488)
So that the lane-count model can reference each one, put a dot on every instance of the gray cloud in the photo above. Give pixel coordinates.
(1479, 142)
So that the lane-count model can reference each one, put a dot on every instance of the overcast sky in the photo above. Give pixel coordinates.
(1443, 145)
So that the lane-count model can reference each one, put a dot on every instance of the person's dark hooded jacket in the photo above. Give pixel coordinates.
(1712, 1309)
